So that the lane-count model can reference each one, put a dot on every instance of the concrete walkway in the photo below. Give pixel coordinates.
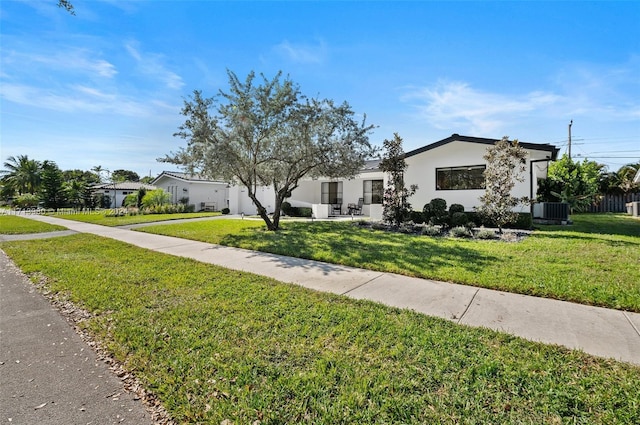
(598, 331)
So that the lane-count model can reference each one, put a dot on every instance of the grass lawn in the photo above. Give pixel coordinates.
(217, 344)
(595, 261)
(14, 225)
(98, 217)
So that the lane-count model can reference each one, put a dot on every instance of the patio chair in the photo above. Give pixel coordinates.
(336, 209)
(356, 209)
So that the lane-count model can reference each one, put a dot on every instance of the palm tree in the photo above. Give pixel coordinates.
(22, 173)
(625, 176)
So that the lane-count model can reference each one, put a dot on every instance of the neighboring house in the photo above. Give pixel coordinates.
(193, 189)
(118, 191)
(451, 169)
(636, 179)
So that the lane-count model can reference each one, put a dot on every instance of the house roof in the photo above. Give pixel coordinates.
(371, 165)
(458, 138)
(124, 186)
(186, 177)
(636, 179)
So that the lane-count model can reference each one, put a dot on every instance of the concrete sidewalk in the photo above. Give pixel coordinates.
(599, 331)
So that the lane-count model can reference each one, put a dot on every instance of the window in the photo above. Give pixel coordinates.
(331, 193)
(460, 178)
(373, 192)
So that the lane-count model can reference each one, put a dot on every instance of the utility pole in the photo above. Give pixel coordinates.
(570, 124)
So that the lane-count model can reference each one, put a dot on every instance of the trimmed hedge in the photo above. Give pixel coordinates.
(524, 221)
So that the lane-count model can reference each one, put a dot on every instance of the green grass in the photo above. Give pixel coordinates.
(98, 217)
(217, 344)
(595, 261)
(14, 225)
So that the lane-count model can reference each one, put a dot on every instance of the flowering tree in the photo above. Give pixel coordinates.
(506, 164)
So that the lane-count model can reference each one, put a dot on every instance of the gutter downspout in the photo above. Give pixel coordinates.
(547, 160)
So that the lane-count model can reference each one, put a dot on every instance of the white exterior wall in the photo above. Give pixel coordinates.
(120, 194)
(421, 170)
(240, 203)
(197, 191)
(309, 191)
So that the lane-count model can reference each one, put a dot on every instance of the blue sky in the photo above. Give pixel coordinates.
(105, 87)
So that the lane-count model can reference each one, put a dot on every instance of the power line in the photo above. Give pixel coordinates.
(601, 157)
(632, 150)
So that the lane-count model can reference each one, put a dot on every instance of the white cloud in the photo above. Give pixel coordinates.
(303, 53)
(76, 98)
(457, 105)
(151, 64)
(591, 93)
(70, 61)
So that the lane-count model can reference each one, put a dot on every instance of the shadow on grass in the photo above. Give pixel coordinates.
(602, 224)
(607, 239)
(352, 246)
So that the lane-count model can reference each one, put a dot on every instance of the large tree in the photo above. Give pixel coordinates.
(577, 183)
(506, 164)
(124, 175)
(269, 134)
(396, 207)
(22, 174)
(52, 189)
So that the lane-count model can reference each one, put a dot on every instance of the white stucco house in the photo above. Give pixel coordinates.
(118, 191)
(193, 189)
(451, 169)
(212, 195)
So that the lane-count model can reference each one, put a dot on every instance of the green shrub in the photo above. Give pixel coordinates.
(460, 232)
(431, 230)
(486, 234)
(304, 211)
(438, 212)
(155, 198)
(225, 211)
(26, 200)
(169, 209)
(426, 212)
(416, 216)
(131, 200)
(455, 208)
(524, 221)
(406, 228)
(286, 208)
(459, 219)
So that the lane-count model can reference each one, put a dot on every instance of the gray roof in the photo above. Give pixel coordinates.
(124, 186)
(185, 177)
(456, 137)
